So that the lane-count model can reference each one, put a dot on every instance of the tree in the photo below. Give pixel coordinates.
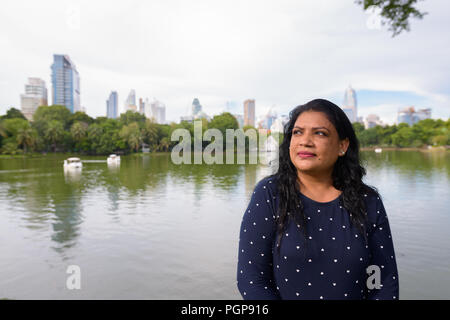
(395, 13)
(26, 137)
(131, 116)
(132, 135)
(150, 133)
(80, 117)
(224, 121)
(44, 114)
(54, 133)
(78, 130)
(14, 113)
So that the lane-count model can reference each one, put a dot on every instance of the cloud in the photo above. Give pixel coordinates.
(281, 53)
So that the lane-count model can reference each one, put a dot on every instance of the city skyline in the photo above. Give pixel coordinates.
(283, 58)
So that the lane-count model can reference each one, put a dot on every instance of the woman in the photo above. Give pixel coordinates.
(314, 230)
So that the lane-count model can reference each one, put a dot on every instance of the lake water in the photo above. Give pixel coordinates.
(150, 229)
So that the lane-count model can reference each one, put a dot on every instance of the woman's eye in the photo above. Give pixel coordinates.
(322, 133)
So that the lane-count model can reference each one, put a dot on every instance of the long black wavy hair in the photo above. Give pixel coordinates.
(347, 173)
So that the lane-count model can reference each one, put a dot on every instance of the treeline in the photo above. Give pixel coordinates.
(425, 132)
(56, 129)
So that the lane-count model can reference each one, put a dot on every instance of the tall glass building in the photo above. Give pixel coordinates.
(65, 83)
(112, 105)
(349, 105)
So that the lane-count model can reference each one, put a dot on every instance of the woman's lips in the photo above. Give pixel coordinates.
(303, 154)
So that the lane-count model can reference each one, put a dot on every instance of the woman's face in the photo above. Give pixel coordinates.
(315, 144)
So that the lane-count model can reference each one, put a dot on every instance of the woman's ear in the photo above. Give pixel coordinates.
(343, 144)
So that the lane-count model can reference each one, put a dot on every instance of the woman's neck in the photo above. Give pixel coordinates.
(318, 187)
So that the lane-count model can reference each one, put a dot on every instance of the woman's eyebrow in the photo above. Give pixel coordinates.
(315, 128)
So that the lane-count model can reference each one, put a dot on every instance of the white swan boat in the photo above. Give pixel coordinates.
(72, 163)
(113, 159)
(378, 150)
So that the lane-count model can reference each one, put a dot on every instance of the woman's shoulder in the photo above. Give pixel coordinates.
(268, 183)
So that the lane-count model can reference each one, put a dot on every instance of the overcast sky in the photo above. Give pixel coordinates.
(281, 53)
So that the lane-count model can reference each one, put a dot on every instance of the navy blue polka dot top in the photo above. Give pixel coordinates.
(335, 263)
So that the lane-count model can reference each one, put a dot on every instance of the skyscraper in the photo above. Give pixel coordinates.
(141, 106)
(112, 105)
(196, 107)
(249, 112)
(349, 105)
(130, 103)
(411, 116)
(35, 95)
(65, 83)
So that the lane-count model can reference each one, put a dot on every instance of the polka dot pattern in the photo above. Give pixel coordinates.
(330, 263)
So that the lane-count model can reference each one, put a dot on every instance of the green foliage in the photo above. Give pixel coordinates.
(10, 148)
(13, 113)
(395, 13)
(224, 121)
(131, 116)
(55, 128)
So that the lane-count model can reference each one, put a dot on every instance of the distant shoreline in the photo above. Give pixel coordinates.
(432, 149)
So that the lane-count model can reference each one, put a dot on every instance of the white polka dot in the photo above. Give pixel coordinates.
(320, 229)
(335, 260)
(343, 227)
(251, 282)
(321, 273)
(348, 271)
(286, 280)
(298, 247)
(251, 242)
(331, 219)
(285, 257)
(297, 294)
(309, 284)
(310, 238)
(266, 219)
(297, 270)
(348, 248)
(322, 249)
(245, 293)
(287, 234)
(257, 204)
(381, 247)
(309, 260)
(263, 237)
(321, 297)
(262, 254)
(334, 284)
(265, 288)
(318, 210)
(254, 223)
(345, 294)
(333, 238)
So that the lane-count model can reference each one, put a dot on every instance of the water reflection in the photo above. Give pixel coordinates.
(147, 203)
